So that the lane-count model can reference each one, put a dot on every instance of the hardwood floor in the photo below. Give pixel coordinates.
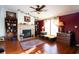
(14, 47)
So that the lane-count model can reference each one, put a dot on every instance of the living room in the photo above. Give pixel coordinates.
(39, 32)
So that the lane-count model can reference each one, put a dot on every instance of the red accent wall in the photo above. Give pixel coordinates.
(70, 21)
(40, 24)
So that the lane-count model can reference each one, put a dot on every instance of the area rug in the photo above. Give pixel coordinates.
(31, 43)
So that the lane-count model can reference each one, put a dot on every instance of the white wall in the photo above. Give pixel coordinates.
(2, 21)
(20, 17)
(29, 25)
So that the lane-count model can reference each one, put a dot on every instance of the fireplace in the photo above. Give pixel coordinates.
(26, 33)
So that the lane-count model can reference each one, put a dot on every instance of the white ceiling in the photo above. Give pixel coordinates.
(52, 10)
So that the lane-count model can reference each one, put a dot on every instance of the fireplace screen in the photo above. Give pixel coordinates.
(26, 33)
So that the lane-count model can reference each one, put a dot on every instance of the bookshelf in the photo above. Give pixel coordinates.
(11, 24)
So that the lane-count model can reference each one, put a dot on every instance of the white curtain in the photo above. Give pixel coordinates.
(47, 26)
(54, 28)
(51, 27)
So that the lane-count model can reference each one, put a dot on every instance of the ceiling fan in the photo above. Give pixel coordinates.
(38, 8)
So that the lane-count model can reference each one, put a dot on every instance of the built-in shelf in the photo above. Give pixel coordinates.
(11, 23)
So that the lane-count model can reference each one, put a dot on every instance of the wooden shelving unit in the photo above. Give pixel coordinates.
(11, 23)
(66, 38)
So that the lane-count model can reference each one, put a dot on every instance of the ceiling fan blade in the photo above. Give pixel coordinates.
(42, 6)
(32, 7)
(42, 10)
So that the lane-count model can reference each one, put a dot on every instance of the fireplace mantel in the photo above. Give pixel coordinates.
(25, 27)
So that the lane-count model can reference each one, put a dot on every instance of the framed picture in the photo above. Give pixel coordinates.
(26, 18)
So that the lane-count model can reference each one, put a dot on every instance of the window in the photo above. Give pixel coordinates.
(51, 26)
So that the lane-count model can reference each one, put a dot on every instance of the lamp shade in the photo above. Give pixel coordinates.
(61, 23)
